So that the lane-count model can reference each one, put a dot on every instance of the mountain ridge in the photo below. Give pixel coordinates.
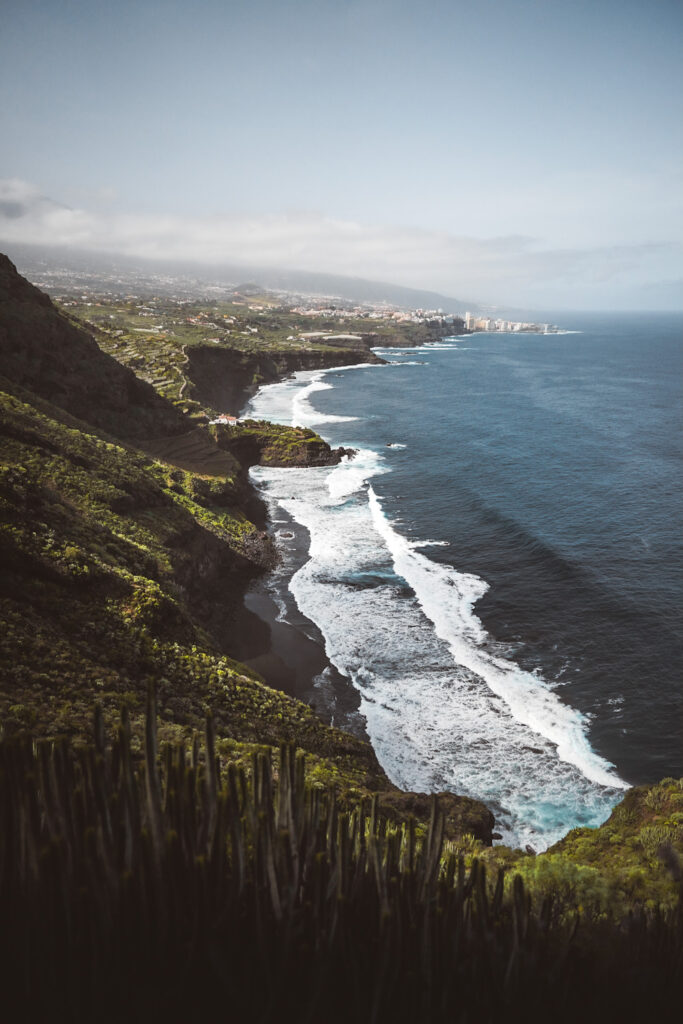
(33, 258)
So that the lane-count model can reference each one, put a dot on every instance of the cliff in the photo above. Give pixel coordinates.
(122, 566)
(225, 378)
(238, 875)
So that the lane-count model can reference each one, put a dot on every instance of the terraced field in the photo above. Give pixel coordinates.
(153, 337)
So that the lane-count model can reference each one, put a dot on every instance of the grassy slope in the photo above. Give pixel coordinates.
(628, 859)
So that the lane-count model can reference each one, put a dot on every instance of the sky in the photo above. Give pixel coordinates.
(524, 152)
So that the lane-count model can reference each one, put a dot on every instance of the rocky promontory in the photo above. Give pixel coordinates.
(258, 442)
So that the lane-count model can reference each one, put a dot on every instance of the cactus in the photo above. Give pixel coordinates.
(176, 886)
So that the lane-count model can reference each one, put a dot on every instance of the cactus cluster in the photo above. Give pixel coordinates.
(173, 887)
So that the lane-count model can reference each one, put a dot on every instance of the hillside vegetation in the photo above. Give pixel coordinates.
(190, 888)
(212, 357)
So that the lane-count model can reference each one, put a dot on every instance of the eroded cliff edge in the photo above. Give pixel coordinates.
(225, 378)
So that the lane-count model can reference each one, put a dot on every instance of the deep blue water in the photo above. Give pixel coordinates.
(549, 467)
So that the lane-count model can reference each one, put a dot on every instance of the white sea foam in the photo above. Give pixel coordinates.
(305, 415)
(445, 708)
(274, 401)
(435, 347)
(288, 401)
(350, 476)
(388, 351)
(447, 597)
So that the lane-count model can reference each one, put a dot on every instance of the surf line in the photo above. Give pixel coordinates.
(447, 598)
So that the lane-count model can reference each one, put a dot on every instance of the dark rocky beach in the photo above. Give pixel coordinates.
(276, 640)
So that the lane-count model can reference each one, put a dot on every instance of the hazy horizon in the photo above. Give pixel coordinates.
(522, 153)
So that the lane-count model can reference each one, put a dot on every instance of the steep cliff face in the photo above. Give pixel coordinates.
(42, 351)
(225, 378)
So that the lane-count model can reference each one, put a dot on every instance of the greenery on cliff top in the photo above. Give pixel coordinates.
(271, 444)
(153, 337)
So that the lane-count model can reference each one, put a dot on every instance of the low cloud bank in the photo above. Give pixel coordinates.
(515, 269)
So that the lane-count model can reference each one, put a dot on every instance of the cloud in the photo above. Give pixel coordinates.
(511, 269)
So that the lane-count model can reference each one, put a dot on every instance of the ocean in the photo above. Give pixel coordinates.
(498, 571)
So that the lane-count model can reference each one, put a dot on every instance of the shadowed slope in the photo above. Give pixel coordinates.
(41, 350)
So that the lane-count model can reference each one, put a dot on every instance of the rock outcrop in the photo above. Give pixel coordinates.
(462, 815)
(258, 442)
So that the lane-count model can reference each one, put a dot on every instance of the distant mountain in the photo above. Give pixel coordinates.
(197, 278)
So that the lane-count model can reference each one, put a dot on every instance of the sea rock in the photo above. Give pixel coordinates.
(462, 814)
(260, 443)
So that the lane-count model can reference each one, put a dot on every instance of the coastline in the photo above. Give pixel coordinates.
(284, 646)
(276, 639)
(171, 617)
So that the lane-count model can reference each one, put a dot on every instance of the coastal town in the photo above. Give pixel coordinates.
(469, 323)
(475, 322)
(216, 310)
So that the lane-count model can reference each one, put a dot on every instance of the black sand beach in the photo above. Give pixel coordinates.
(273, 638)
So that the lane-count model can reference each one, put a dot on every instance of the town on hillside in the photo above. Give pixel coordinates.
(130, 307)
